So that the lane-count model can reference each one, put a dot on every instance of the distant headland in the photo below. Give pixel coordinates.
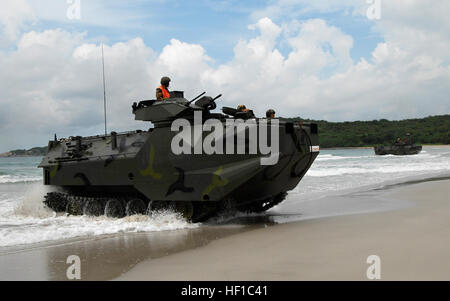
(32, 152)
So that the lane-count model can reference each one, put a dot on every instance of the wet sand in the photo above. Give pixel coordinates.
(413, 244)
(103, 257)
(409, 232)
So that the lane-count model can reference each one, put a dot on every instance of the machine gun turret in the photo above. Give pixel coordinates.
(172, 108)
(196, 98)
(207, 102)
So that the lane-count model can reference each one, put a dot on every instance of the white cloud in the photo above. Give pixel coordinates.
(417, 27)
(13, 15)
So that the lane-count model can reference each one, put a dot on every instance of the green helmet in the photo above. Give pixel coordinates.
(269, 113)
(165, 81)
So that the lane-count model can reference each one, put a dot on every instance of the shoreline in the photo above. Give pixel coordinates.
(412, 243)
(118, 256)
(371, 147)
(24, 156)
(323, 148)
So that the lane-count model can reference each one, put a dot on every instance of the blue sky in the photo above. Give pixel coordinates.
(216, 25)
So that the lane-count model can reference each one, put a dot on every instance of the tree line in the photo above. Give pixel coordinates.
(429, 130)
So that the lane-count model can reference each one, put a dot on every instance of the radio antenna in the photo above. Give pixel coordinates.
(104, 87)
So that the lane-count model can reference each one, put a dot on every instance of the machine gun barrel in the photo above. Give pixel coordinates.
(217, 97)
(196, 98)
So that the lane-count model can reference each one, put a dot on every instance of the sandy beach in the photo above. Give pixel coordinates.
(406, 225)
(412, 243)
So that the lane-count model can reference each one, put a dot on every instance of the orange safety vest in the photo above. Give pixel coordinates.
(165, 93)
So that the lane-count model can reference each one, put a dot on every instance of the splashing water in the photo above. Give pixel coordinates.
(25, 220)
(32, 204)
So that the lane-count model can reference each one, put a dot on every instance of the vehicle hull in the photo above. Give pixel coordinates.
(398, 150)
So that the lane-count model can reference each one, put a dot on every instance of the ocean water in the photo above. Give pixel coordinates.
(20, 170)
(25, 221)
(344, 170)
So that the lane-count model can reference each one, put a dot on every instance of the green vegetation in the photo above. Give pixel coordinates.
(429, 130)
(35, 151)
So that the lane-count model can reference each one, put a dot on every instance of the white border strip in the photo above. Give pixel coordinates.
(315, 149)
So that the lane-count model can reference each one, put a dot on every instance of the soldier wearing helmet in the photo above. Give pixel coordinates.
(270, 113)
(162, 92)
(243, 108)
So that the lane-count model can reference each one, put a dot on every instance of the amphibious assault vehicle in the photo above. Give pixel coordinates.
(139, 172)
(399, 148)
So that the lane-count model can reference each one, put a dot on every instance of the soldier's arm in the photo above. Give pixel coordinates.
(159, 94)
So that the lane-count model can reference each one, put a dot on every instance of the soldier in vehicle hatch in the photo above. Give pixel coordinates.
(242, 108)
(270, 113)
(162, 92)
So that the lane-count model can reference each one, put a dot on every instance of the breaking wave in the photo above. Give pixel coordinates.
(7, 179)
(29, 230)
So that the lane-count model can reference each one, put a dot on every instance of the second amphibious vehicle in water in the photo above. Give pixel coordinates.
(138, 172)
(399, 148)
